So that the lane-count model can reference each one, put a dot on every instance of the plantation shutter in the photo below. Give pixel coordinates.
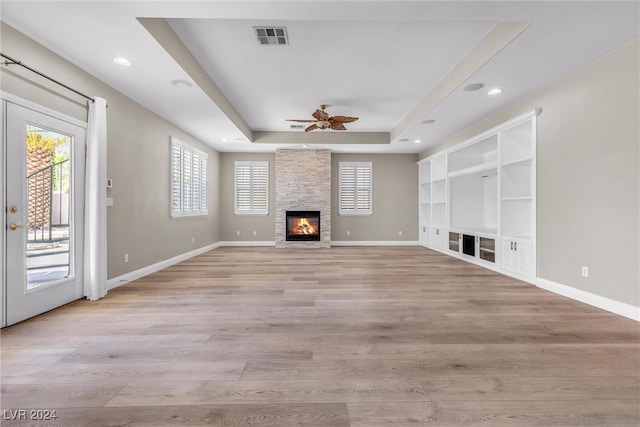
(355, 188)
(251, 188)
(188, 180)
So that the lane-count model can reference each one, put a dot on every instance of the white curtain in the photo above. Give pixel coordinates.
(95, 230)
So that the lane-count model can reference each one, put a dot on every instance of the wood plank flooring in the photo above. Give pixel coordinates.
(347, 336)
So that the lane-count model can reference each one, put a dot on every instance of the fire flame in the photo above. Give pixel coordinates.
(302, 226)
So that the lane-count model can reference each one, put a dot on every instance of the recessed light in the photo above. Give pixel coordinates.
(120, 60)
(495, 91)
(403, 140)
(182, 84)
(428, 121)
(417, 141)
(241, 139)
(473, 86)
(225, 140)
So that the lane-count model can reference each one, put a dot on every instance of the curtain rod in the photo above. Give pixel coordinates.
(11, 61)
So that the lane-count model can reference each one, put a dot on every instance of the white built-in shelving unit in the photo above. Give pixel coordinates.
(477, 200)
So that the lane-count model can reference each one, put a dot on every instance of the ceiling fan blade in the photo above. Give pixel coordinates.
(320, 115)
(312, 127)
(337, 126)
(301, 121)
(342, 119)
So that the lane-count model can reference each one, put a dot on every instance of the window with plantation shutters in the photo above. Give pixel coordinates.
(251, 189)
(355, 188)
(188, 180)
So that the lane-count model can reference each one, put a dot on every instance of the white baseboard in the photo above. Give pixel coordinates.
(145, 271)
(247, 243)
(374, 243)
(617, 307)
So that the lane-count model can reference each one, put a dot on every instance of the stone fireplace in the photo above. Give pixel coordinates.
(303, 185)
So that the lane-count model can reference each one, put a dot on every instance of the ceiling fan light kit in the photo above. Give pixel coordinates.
(324, 121)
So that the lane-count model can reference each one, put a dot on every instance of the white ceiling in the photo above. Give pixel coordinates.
(390, 63)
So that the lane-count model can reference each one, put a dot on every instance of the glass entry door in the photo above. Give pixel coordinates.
(44, 212)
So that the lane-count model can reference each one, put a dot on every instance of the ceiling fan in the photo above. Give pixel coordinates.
(323, 121)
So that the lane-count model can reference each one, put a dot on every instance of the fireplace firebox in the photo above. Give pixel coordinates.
(303, 226)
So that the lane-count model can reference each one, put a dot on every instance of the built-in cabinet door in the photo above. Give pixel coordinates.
(523, 258)
(439, 238)
(516, 257)
(507, 257)
(486, 249)
(425, 236)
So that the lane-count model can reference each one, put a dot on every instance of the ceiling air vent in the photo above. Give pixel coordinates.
(296, 127)
(271, 36)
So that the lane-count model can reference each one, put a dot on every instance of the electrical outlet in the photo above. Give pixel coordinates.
(237, 232)
(400, 233)
(193, 240)
(255, 233)
(585, 271)
(348, 233)
(126, 257)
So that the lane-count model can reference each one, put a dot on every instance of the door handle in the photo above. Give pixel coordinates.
(13, 226)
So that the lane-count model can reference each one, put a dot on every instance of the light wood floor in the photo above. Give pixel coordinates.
(361, 337)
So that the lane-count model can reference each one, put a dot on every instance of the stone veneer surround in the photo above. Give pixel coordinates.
(303, 183)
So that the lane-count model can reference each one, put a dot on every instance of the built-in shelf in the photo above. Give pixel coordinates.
(517, 162)
(485, 231)
(473, 154)
(439, 168)
(516, 143)
(478, 199)
(475, 169)
(510, 199)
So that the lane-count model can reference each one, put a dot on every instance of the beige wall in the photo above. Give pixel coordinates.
(588, 175)
(138, 159)
(395, 200)
(395, 190)
(263, 225)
